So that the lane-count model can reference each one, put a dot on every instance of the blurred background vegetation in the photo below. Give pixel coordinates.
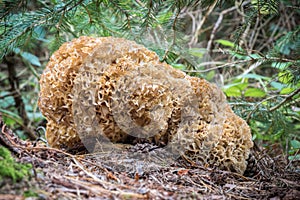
(251, 49)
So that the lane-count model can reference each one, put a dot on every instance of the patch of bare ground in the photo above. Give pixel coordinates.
(57, 174)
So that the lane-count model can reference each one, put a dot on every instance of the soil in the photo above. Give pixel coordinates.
(57, 174)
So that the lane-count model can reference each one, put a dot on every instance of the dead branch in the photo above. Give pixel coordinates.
(286, 99)
(217, 25)
(194, 39)
(15, 89)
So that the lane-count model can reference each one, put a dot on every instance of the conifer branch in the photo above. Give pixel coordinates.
(23, 25)
(286, 99)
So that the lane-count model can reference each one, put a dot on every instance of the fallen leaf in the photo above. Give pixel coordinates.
(183, 172)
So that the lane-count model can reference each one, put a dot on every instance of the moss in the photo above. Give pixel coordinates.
(30, 193)
(9, 168)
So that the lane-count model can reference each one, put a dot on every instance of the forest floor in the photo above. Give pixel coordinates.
(60, 175)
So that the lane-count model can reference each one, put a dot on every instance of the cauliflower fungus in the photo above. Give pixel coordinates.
(117, 90)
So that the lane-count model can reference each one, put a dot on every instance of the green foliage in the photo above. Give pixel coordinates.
(27, 88)
(275, 113)
(11, 169)
(294, 150)
(68, 19)
(30, 193)
(266, 93)
(265, 7)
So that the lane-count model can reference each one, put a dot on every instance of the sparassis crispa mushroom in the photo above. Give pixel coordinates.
(119, 89)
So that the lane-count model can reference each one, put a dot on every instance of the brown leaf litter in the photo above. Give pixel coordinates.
(61, 175)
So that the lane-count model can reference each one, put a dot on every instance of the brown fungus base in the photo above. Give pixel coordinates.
(111, 87)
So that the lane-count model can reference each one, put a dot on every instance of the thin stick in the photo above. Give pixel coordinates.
(256, 107)
(217, 67)
(194, 39)
(217, 24)
(99, 190)
(288, 98)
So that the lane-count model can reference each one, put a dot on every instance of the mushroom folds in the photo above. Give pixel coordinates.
(119, 90)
